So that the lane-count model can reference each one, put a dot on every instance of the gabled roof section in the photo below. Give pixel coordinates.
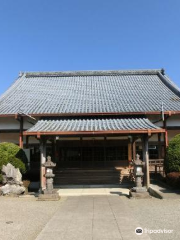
(91, 92)
(93, 126)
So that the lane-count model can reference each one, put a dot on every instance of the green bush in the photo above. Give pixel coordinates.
(172, 161)
(11, 153)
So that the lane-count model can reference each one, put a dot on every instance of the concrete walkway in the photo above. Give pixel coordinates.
(92, 218)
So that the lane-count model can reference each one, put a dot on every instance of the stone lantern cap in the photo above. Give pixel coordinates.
(49, 163)
(138, 162)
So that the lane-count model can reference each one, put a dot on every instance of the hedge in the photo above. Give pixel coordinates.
(172, 160)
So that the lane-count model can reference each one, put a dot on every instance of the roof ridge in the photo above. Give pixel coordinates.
(170, 84)
(93, 73)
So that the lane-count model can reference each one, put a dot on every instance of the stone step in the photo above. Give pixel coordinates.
(91, 176)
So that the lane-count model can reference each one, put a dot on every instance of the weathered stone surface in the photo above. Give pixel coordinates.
(12, 178)
(12, 189)
(11, 174)
(139, 195)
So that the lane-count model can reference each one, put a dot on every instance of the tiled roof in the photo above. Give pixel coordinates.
(92, 125)
(91, 92)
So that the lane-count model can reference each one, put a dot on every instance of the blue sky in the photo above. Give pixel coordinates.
(44, 35)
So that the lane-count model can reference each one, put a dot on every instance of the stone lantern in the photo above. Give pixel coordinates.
(138, 171)
(138, 191)
(49, 193)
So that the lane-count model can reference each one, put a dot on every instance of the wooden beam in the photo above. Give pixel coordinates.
(169, 113)
(93, 133)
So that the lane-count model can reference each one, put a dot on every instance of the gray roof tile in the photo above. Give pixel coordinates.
(90, 92)
(79, 125)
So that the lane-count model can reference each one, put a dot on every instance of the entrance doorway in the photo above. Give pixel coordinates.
(92, 154)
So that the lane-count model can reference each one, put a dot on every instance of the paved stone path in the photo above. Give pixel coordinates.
(92, 218)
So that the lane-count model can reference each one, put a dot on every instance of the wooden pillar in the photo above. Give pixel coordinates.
(104, 147)
(81, 143)
(165, 137)
(53, 150)
(129, 152)
(93, 143)
(27, 141)
(42, 161)
(21, 133)
(159, 146)
(146, 161)
(134, 150)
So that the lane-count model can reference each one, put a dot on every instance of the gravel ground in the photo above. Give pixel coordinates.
(24, 218)
(157, 214)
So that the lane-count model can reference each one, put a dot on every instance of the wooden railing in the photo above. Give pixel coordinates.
(154, 162)
(158, 165)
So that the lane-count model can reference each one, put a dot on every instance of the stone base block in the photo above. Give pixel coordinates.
(49, 197)
(139, 189)
(139, 195)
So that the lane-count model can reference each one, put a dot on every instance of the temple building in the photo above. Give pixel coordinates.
(92, 123)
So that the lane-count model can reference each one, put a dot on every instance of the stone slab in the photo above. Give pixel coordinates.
(49, 197)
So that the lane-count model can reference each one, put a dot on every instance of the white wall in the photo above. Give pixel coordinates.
(12, 123)
(14, 138)
(173, 120)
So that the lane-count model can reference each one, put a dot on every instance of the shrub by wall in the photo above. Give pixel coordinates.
(11, 153)
(172, 161)
(173, 179)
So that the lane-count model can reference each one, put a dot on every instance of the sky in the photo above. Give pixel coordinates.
(64, 35)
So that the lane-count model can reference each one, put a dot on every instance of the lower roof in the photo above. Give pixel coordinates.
(93, 126)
